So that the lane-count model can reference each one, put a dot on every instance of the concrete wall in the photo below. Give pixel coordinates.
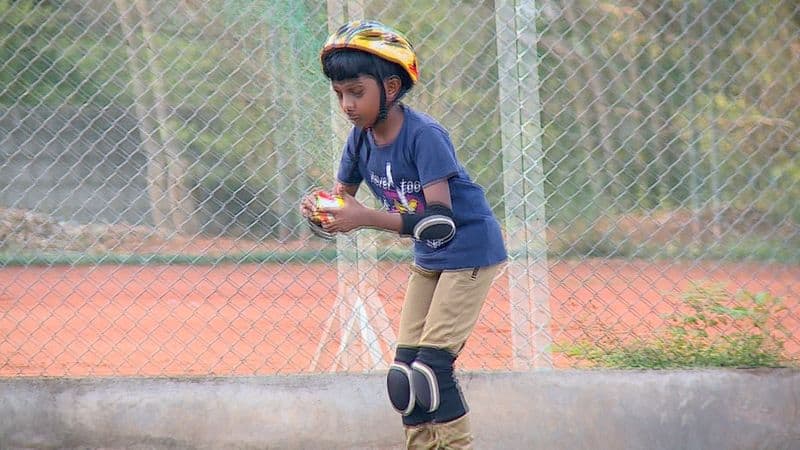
(738, 409)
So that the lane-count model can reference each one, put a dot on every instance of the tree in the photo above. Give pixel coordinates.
(167, 172)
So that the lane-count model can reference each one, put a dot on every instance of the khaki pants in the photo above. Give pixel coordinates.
(455, 435)
(440, 310)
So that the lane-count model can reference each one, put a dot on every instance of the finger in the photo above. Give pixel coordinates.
(306, 208)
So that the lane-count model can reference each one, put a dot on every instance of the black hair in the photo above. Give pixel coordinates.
(347, 64)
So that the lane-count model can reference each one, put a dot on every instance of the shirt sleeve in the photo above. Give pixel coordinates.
(434, 155)
(349, 171)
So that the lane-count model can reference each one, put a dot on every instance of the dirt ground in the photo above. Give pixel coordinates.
(247, 319)
(287, 318)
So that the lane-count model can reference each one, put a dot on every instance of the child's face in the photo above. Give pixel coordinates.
(359, 98)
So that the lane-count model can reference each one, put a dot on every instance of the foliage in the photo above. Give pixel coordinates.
(40, 63)
(645, 105)
(713, 329)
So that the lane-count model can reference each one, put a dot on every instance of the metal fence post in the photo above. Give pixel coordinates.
(523, 183)
(365, 331)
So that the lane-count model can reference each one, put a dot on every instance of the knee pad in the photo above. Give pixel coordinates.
(401, 390)
(434, 385)
(398, 382)
(425, 384)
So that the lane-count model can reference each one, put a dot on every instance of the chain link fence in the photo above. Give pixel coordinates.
(642, 158)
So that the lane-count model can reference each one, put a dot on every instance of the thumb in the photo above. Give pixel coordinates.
(349, 199)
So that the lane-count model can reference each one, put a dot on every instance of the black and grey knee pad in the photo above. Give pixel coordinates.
(398, 381)
(435, 388)
(401, 389)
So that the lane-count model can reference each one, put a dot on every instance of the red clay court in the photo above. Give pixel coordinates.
(259, 319)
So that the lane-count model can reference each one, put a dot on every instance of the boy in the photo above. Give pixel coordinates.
(408, 161)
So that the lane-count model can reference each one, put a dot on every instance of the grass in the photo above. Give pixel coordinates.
(8, 259)
(596, 245)
(588, 245)
(714, 329)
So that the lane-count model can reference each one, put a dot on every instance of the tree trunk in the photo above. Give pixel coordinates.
(180, 200)
(156, 173)
(602, 140)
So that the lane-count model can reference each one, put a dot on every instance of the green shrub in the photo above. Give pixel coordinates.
(715, 329)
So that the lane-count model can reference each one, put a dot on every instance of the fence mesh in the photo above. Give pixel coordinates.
(641, 156)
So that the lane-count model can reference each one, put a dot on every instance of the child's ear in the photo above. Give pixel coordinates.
(392, 87)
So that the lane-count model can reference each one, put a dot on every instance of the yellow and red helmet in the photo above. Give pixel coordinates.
(376, 38)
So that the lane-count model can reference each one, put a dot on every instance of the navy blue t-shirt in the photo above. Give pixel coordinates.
(423, 154)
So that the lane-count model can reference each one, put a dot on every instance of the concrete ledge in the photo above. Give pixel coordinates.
(714, 409)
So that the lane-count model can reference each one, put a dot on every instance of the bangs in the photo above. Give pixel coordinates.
(348, 64)
(341, 65)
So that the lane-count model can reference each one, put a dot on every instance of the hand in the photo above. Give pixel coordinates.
(346, 218)
(307, 204)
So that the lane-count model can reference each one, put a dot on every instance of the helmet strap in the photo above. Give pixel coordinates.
(383, 109)
(383, 112)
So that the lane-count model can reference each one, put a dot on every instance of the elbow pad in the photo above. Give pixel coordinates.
(435, 224)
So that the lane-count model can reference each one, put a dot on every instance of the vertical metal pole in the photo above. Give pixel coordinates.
(713, 88)
(691, 88)
(523, 183)
(366, 333)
